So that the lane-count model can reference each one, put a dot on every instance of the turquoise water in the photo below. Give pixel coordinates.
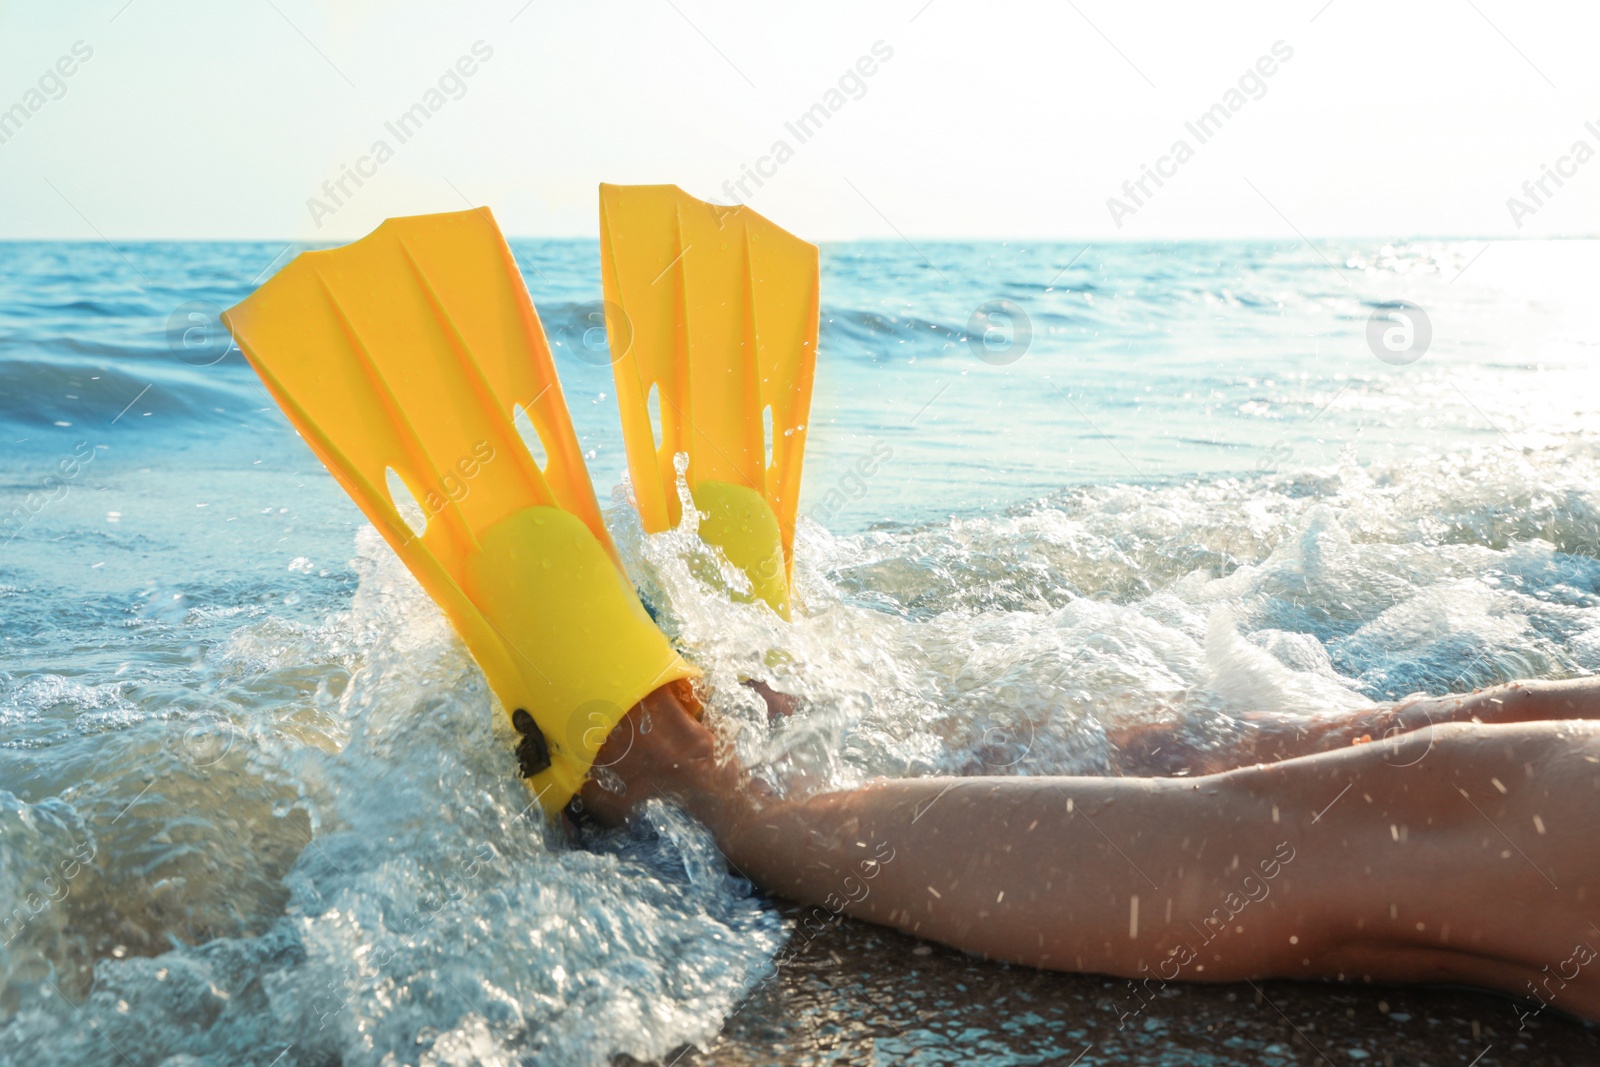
(251, 805)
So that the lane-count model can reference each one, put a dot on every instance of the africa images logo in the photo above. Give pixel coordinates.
(451, 85)
(1251, 85)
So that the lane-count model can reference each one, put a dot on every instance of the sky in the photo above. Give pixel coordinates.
(931, 118)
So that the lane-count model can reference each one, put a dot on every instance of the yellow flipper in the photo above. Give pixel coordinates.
(714, 310)
(411, 351)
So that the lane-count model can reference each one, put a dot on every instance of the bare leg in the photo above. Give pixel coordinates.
(1275, 739)
(1527, 701)
(1463, 854)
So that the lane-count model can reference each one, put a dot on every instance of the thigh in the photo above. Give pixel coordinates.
(1459, 844)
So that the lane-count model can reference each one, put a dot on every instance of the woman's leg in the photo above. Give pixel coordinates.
(1462, 854)
(1535, 700)
(1268, 739)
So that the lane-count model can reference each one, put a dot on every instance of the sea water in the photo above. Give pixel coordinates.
(254, 807)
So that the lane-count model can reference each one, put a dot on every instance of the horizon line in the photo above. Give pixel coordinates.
(1117, 240)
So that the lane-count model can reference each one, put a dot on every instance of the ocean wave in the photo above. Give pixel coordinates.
(321, 839)
(93, 396)
(74, 308)
(311, 828)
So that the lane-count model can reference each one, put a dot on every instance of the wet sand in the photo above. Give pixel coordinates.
(859, 994)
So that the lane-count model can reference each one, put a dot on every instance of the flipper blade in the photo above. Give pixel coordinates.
(410, 351)
(717, 310)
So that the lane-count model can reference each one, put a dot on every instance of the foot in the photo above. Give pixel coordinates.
(659, 749)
